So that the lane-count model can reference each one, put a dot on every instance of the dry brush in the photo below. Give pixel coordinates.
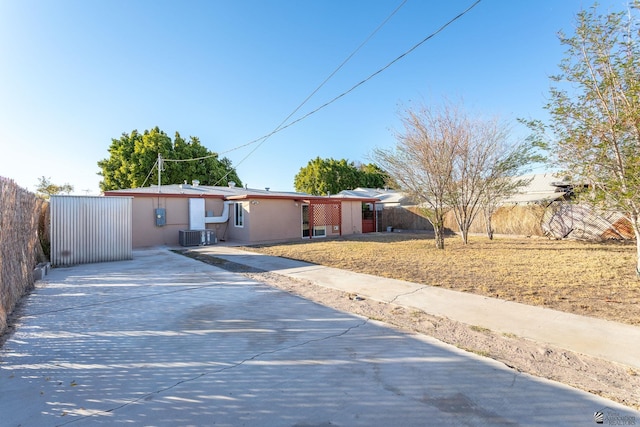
(22, 225)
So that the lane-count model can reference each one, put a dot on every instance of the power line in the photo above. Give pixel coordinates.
(280, 126)
(151, 171)
(430, 36)
(284, 125)
(264, 138)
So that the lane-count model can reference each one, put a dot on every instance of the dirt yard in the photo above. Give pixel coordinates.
(616, 382)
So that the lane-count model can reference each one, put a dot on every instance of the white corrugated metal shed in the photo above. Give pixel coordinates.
(86, 229)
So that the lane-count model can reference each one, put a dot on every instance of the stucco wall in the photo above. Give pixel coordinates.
(268, 220)
(145, 231)
(264, 220)
(239, 234)
(351, 217)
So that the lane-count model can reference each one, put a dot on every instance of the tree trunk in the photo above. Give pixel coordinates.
(464, 233)
(437, 222)
(463, 226)
(637, 257)
(636, 231)
(439, 236)
(489, 226)
(487, 223)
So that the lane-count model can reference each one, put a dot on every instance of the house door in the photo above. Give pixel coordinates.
(368, 219)
(317, 231)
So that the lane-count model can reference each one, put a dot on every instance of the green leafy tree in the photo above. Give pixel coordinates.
(594, 107)
(371, 176)
(330, 176)
(46, 188)
(133, 158)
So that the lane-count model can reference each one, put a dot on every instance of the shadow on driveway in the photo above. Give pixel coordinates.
(165, 340)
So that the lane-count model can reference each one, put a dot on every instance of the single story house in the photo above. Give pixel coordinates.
(538, 188)
(396, 210)
(386, 197)
(541, 188)
(393, 211)
(164, 215)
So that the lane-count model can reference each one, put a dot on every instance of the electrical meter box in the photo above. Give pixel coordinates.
(161, 217)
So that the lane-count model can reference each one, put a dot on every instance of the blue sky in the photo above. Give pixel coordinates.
(75, 74)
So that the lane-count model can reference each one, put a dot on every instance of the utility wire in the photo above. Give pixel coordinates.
(264, 138)
(283, 125)
(150, 172)
(280, 126)
(430, 36)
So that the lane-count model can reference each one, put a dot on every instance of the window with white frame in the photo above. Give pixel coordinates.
(238, 215)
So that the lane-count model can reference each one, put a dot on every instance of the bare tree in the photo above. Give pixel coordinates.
(494, 196)
(421, 162)
(446, 160)
(486, 171)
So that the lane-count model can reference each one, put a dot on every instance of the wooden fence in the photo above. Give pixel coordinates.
(558, 219)
(22, 226)
(403, 218)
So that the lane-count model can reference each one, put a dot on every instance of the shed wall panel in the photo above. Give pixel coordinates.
(87, 229)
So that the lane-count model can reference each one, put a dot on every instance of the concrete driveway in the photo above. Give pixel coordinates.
(165, 340)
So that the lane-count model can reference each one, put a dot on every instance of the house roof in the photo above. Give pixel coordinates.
(219, 192)
(386, 197)
(541, 187)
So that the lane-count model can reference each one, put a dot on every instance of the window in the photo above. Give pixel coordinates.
(238, 215)
(319, 230)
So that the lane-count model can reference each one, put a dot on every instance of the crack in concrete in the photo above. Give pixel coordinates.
(147, 396)
(407, 293)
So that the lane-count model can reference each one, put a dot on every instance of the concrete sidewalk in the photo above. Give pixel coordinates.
(604, 339)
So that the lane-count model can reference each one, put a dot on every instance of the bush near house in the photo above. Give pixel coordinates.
(22, 226)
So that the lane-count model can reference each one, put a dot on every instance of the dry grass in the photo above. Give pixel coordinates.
(594, 279)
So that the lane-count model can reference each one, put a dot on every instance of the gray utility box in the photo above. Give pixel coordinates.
(197, 237)
(161, 217)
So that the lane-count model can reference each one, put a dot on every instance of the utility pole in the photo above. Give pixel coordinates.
(160, 167)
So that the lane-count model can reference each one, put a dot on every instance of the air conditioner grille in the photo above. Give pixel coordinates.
(197, 237)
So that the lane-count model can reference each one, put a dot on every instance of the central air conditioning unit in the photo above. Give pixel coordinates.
(197, 237)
